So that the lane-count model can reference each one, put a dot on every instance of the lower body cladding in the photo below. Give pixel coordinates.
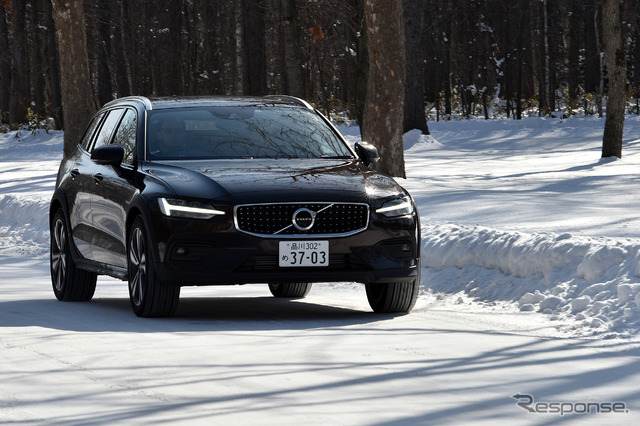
(234, 258)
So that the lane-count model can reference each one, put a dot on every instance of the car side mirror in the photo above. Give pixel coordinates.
(108, 155)
(367, 152)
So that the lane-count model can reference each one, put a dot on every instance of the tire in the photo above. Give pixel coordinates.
(393, 297)
(70, 284)
(290, 290)
(148, 297)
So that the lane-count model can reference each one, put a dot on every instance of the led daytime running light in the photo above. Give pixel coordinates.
(402, 206)
(170, 209)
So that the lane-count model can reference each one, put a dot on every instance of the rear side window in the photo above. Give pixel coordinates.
(126, 135)
(106, 131)
(88, 134)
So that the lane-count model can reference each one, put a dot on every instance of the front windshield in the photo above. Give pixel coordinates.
(256, 131)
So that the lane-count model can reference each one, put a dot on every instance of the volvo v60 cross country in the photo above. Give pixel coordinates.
(172, 192)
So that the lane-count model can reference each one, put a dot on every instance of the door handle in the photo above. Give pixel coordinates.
(97, 178)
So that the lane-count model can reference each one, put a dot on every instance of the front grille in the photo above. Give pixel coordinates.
(276, 220)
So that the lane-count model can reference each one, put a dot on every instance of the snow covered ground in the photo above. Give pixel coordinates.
(527, 212)
(530, 287)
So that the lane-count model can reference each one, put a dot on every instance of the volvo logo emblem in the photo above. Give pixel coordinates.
(304, 219)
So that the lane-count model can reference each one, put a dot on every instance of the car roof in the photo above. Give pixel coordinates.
(151, 103)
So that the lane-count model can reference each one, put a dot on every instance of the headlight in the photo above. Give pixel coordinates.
(398, 207)
(187, 209)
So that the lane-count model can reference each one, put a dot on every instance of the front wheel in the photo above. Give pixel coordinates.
(148, 297)
(393, 297)
(290, 290)
(70, 284)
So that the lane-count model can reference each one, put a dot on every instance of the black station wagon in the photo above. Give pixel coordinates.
(173, 192)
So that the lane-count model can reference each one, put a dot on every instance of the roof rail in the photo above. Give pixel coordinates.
(142, 99)
(292, 99)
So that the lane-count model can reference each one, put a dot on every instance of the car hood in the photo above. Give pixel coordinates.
(274, 180)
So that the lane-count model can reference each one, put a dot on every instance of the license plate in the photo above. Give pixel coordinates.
(303, 253)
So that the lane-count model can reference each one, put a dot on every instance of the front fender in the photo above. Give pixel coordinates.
(140, 207)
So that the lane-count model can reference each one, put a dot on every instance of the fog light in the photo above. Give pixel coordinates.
(181, 251)
(406, 248)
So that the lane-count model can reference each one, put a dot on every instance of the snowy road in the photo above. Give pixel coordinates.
(235, 355)
(518, 219)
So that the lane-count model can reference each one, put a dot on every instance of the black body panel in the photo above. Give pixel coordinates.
(101, 201)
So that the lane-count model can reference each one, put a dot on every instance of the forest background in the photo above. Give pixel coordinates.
(464, 58)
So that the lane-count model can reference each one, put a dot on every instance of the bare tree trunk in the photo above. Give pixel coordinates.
(591, 51)
(123, 70)
(239, 57)
(384, 104)
(55, 92)
(5, 66)
(574, 55)
(292, 65)
(254, 45)
(600, 92)
(617, 69)
(77, 97)
(362, 71)
(103, 49)
(520, 52)
(18, 89)
(447, 63)
(414, 117)
(35, 49)
(546, 105)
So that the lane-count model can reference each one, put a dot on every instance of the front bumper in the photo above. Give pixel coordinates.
(386, 252)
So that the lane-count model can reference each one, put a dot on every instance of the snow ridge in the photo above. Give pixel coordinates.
(24, 227)
(593, 281)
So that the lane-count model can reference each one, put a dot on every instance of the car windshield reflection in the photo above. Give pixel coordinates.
(241, 133)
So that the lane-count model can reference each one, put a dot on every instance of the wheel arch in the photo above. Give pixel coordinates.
(140, 208)
(59, 202)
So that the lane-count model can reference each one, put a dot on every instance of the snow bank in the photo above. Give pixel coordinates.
(28, 167)
(592, 281)
(24, 227)
(415, 138)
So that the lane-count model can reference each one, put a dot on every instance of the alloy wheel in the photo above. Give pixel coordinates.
(59, 254)
(138, 262)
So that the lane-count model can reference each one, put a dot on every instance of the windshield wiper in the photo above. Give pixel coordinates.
(337, 157)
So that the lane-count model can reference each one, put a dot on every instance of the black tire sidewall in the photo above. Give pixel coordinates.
(158, 300)
(59, 293)
(139, 310)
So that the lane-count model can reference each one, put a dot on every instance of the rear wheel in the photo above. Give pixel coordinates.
(148, 297)
(289, 290)
(393, 297)
(70, 284)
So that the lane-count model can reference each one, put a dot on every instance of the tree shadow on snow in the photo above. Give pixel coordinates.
(194, 314)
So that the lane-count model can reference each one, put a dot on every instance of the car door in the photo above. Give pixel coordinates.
(77, 185)
(113, 194)
(92, 180)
